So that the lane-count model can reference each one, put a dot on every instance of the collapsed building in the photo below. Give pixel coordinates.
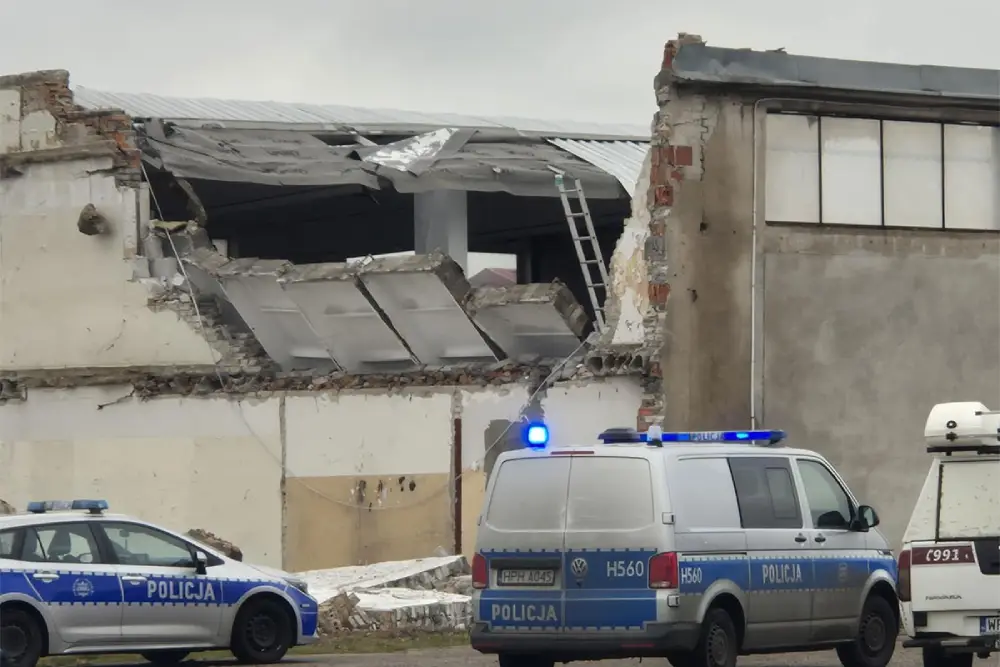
(263, 319)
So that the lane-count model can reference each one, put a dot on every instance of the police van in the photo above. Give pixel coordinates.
(949, 567)
(695, 546)
(76, 580)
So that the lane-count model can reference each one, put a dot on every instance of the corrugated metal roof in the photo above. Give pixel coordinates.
(621, 159)
(332, 117)
(698, 63)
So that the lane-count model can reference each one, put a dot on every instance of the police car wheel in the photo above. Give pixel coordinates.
(165, 658)
(935, 657)
(262, 632)
(876, 641)
(20, 639)
(717, 646)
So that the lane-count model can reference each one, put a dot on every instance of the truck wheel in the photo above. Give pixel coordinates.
(262, 631)
(164, 658)
(935, 657)
(876, 641)
(717, 645)
(20, 639)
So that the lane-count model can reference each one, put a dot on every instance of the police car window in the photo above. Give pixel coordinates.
(766, 493)
(609, 493)
(60, 543)
(140, 545)
(529, 494)
(7, 539)
(829, 505)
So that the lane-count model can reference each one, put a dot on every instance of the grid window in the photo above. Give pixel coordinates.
(870, 172)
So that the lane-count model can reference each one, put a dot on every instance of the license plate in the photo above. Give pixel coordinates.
(526, 577)
(989, 625)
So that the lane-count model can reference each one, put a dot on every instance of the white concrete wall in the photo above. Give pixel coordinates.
(67, 299)
(207, 463)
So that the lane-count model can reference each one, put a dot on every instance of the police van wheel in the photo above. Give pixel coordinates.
(876, 641)
(935, 657)
(262, 632)
(20, 639)
(165, 658)
(717, 646)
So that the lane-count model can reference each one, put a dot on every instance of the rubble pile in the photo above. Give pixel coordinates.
(6, 508)
(214, 541)
(429, 594)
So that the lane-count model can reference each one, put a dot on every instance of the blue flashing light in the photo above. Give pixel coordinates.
(771, 437)
(536, 436)
(43, 506)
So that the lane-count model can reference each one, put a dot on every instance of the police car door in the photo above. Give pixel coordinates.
(611, 533)
(166, 601)
(64, 565)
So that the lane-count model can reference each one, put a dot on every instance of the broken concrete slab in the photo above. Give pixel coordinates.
(422, 296)
(344, 319)
(529, 321)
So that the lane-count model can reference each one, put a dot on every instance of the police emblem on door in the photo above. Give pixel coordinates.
(82, 588)
(579, 568)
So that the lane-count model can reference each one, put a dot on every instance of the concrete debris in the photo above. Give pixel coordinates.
(214, 541)
(6, 508)
(91, 222)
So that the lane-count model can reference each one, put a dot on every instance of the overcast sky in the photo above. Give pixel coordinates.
(576, 59)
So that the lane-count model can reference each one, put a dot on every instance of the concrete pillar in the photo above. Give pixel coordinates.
(441, 222)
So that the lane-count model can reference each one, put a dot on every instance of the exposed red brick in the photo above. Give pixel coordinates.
(669, 51)
(683, 156)
(657, 228)
(654, 368)
(663, 195)
(659, 293)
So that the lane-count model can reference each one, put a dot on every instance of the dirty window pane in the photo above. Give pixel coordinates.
(791, 170)
(609, 493)
(912, 166)
(970, 500)
(971, 177)
(851, 171)
(529, 494)
(7, 543)
(703, 495)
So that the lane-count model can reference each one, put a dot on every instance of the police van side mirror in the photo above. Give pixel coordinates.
(200, 562)
(867, 518)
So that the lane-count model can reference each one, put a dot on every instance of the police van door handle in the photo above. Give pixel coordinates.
(820, 539)
(45, 576)
(800, 538)
(133, 578)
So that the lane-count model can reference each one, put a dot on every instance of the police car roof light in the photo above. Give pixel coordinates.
(536, 435)
(962, 427)
(43, 506)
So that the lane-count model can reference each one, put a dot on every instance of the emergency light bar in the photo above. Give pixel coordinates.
(655, 436)
(962, 427)
(43, 506)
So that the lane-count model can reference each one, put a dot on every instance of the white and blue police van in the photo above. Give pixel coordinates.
(697, 547)
(77, 580)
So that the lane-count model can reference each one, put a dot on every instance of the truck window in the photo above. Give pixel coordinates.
(702, 495)
(970, 500)
(766, 492)
(609, 493)
(529, 494)
(829, 504)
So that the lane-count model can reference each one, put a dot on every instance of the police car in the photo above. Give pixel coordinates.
(74, 580)
(696, 546)
(949, 567)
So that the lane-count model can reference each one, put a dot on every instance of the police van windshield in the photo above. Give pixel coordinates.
(969, 500)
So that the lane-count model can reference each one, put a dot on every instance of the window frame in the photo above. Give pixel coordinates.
(852, 502)
(192, 548)
(820, 115)
(17, 533)
(101, 556)
(765, 463)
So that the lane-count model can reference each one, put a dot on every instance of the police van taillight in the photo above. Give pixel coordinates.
(663, 571)
(903, 584)
(480, 572)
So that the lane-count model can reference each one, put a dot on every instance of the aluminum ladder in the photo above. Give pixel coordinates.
(587, 264)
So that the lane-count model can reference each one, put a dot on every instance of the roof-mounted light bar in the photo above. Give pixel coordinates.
(43, 506)
(656, 436)
(962, 427)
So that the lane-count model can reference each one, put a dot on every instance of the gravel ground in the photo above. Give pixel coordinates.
(464, 657)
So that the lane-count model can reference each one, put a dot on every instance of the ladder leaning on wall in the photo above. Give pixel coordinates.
(595, 272)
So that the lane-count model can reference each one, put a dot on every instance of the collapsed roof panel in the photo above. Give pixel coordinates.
(344, 320)
(529, 321)
(422, 295)
(265, 157)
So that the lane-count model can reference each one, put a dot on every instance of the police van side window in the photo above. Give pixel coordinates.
(829, 504)
(140, 545)
(766, 492)
(60, 543)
